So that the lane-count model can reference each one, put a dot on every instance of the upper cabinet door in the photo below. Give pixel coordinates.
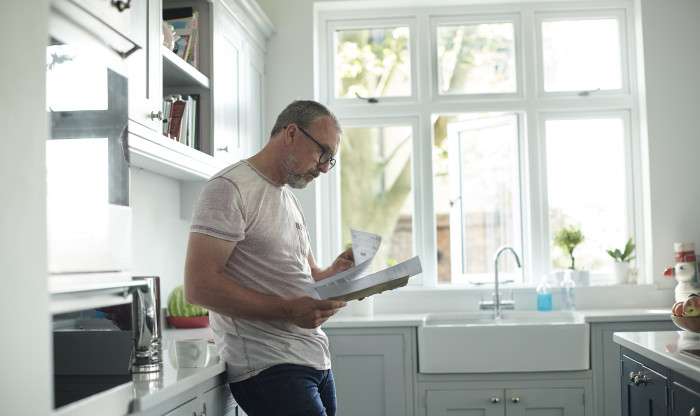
(145, 67)
(227, 57)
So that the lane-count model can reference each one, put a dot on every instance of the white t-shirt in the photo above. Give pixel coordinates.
(271, 256)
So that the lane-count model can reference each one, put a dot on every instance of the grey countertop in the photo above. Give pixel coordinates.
(416, 319)
(667, 348)
(151, 389)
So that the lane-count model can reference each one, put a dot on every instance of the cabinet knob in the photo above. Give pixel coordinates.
(158, 115)
(121, 5)
(495, 399)
(693, 412)
(515, 399)
(640, 379)
(222, 149)
(632, 376)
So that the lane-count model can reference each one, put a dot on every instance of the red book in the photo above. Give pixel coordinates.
(176, 114)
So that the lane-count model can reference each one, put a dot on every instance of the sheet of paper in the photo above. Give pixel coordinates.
(364, 245)
(407, 268)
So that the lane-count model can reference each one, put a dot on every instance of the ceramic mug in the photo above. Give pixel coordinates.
(191, 352)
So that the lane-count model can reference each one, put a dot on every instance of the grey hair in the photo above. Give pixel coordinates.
(304, 113)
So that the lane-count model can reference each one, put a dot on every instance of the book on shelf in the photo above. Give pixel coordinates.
(178, 117)
(182, 119)
(185, 21)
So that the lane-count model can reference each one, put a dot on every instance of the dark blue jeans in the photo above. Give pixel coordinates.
(287, 390)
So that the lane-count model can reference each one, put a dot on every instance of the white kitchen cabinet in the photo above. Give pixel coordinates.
(221, 80)
(228, 56)
(145, 86)
(374, 370)
(510, 402)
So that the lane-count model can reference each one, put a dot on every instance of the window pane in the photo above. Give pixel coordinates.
(477, 193)
(373, 62)
(476, 58)
(375, 189)
(581, 55)
(586, 188)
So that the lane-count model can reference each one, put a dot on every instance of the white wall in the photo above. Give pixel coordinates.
(159, 235)
(25, 350)
(671, 61)
(671, 57)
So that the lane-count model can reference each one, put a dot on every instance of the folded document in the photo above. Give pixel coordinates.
(357, 282)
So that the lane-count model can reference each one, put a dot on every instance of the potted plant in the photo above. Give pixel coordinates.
(568, 238)
(621, 261)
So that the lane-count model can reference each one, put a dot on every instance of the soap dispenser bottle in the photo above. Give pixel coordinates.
(568, 292)
(544, 295)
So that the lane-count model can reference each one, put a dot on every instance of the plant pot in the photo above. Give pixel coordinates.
(621, 272)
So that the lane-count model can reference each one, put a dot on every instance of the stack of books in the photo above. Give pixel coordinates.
(185, 21)
(182, 119)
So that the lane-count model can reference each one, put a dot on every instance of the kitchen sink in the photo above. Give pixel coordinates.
(522, 341)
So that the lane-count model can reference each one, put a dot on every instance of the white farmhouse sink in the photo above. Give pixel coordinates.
(522, 341)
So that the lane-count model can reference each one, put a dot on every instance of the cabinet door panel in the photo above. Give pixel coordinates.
(686, 401)
(465, 403)
(639, 399)
(145, 66)
(545, 402)
(369, 374)
(219, 401)
(228, 45)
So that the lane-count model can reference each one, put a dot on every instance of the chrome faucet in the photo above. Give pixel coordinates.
(496, 304)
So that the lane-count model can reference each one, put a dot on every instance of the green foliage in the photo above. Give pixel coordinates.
(623, 256)
(567, 239)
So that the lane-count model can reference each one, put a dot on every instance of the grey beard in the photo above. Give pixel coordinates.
(296, 180)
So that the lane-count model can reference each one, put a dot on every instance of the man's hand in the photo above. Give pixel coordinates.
(343, 262)
(306, 312)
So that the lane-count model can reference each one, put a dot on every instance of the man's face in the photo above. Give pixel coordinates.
(303, 164)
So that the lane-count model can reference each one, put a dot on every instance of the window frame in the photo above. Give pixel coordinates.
(436, 21)
(327, 89)
(531, 103)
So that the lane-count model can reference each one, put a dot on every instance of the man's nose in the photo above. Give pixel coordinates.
(323, 167)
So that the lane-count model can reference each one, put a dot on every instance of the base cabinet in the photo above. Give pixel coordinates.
(651, 389)
(373, 370)
(644, 388)
(506, 402)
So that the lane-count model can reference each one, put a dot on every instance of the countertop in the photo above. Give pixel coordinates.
(404, 320)
(150, 389)
(666, 348)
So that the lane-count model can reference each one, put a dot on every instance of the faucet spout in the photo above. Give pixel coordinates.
(497, 304)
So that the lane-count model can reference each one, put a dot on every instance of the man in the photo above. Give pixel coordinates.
(249, 257)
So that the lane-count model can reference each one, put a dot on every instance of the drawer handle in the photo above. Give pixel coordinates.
(158, 115)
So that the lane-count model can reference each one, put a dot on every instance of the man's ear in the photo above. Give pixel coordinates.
(289, 133)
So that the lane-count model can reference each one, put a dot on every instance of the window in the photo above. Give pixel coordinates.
(376, 189)
(507, 123)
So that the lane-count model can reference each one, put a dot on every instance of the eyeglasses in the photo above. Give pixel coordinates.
(326, 155)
